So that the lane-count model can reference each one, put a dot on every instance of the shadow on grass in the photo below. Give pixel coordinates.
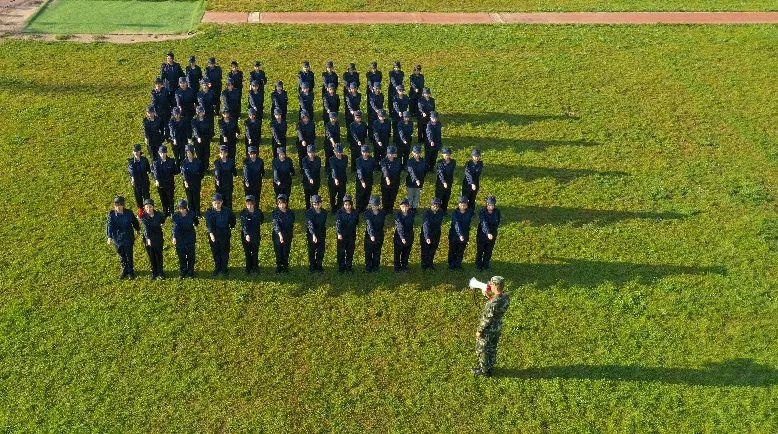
(735, 373)
(502, 172)
(60, 87)
(484, 118)
(516, 145)
(560, 215)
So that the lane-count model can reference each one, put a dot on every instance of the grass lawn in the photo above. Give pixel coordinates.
(112, 16)
(490, 5)
(636, 169)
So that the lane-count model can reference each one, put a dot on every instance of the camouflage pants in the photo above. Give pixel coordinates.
(486, 349)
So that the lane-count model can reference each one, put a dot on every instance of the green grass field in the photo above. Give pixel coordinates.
(636, 170)
(490, 5)
(112, 16)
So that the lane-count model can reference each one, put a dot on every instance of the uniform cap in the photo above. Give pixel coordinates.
(277, 112)
(204, 81)
(377, 85)
(463, 199)
(491, 200)
(151, 109)
(347, 198)
(183, 203)
(304, 85)
(230, 81)
(250, 197)
(352, 85)
(406, 114)
(358, 113)
(446, 151)
(162, 149)
(137, 148)
(333, 115)
(304, 114)
(375, 201)
(426, 91)
(282, 198)
(476, 153)
(148, 201)
(252, 149)
(405, 201)
(200, 109)
(416, 149)
(281, 150)
(176, 111)
(182, 80)
(433, 115)
(400, 88)
(497, 280)
(217, 197)
(391, 150)
(252, 111)
(190, 148)
(382, 113)
(311, 148)
(365, 149)
(254, 83)
(338, 148)
(316, 198)
(331, 86)
(224, 148)
(437, 201)
(119, 200)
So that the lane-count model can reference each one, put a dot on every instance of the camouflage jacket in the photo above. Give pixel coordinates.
(492, 316)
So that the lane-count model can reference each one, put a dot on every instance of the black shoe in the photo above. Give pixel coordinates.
(131, 276)
(431, 267)
(478, 372)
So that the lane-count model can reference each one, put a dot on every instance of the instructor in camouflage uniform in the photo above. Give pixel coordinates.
(490, 326)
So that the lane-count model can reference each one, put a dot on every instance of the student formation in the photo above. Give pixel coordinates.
(190, 109)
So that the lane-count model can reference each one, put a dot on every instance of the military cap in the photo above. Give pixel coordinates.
(463, 199)
(416, 149)
(304, 113)
(277, 112)
(281, 150)
(282, 198)
(158, 80)
(358, 113)
(183, 203)
(217, 197)
(338, 148)
(226, 112)
(151, 109)
(365, 149)
(330, 64)
(433, 115)
(205, 81)
(224, 148)
(162, 149)
(231, 81)
(311, 148)
(200, 109)
(192, 59)
(352, 85)
(446, 151)
(252, 111)
(316, 198)
(137, 148)
(257, 63)
(307, 64)
(176, 111)
(497, 280)
(190, 148)
(426, 91)
(375, 201)
(333, 115)
(304, 85)
(234, 63)
(331, 86)
(437, 201)
(347, 198)
(352, 66)
(119, 200)
(182, 80)
(406, 114)
(397, 64)
(491, 200)
(280, 83)
(148, 201)
(254, 83)
(381, 113)
(400, 88)
(374, 64)
(392, 150)
(405, 201)
(252, 149)
(212, 61)
(476, 153)
(377, 85)
(250, 197)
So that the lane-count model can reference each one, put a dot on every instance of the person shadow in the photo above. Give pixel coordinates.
(729, 373)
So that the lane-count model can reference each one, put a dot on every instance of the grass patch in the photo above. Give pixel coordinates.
(640, 259)
(110, 16)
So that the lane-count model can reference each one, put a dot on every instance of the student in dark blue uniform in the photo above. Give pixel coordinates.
(404, 138)
(250, 220)
(426, 106)
(330, 102)
(213, 72)
(120, 230)
(258, 75)
(417, 86)
(194, 74)
(350, 76)
(306, 135)
(353, 101)
(229, 133)
(186, 98)
(207, 100)
(390, 178)
(357, 136)
(459, 234)
(434, 140)
(366, 166)
(236, 76)
(224, 173)
(375, 103)
(153, 130)
(306, 100)
(202, 135)
(331, 138)
(253, 172)
(193, 170)
(165, 170)
(403, 235)
(373, 76)
(180, 132)
(139, 168)
(396, 78)
(283, 232)
(444, 178)
(170, 72)
(486, 236)
(231, 98)
(375, 218)
(311, 175)
(256, 98)
(220, 221)
(429, 238)
(414, 182)
(162, 103)
(472, 182)
(253, 130)
(400, 104)
(346, 222)
(306, 76)
(278, 130)
(279, 100)
(184, 236)
(381, 135)
(151, 221)
(338, 177)
(329, 77)
(283, 171)
(316, 233)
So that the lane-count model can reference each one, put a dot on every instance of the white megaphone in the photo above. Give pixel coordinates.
(476, 284)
